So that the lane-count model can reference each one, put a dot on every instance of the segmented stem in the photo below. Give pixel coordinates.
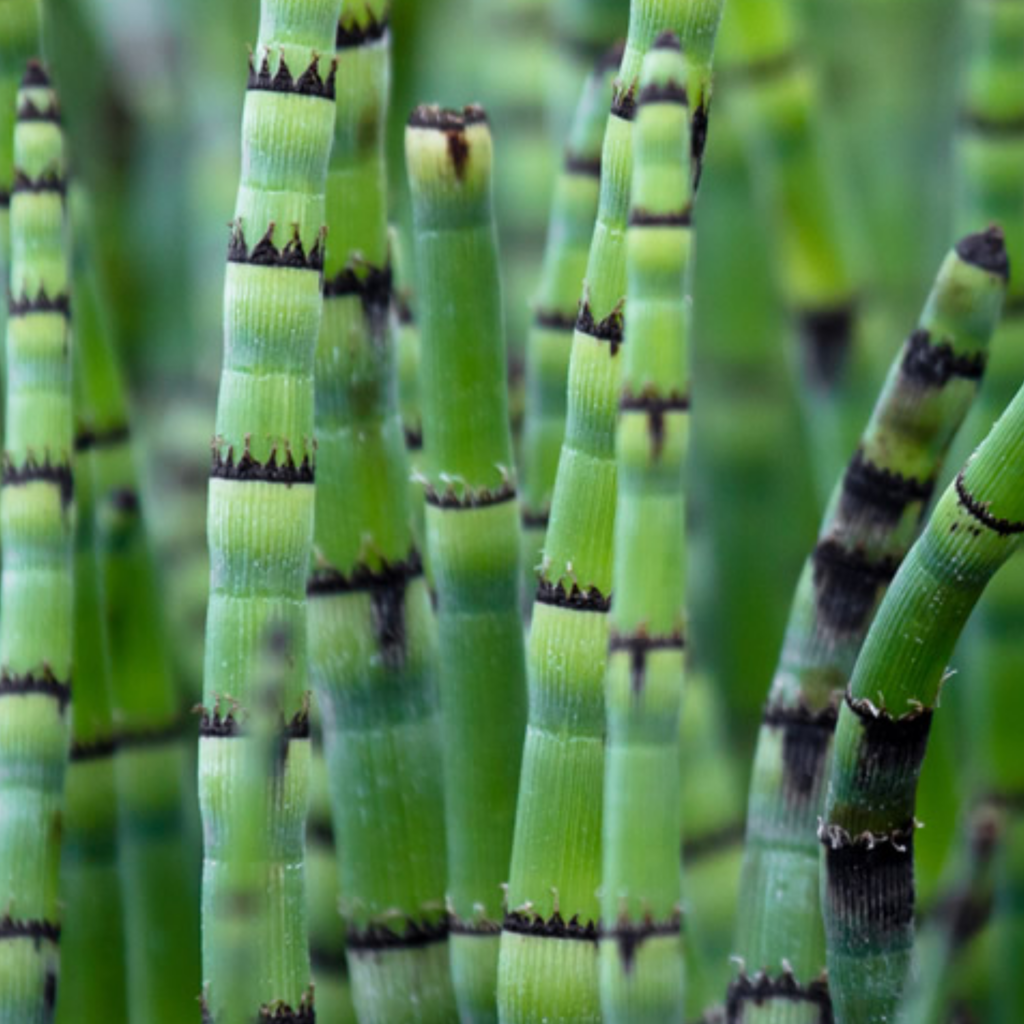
(555, 304)
(372, 633)
(472, 529)
(260, 529)
(871, 522)
(882, 735)
(641, 941)
(37, 532)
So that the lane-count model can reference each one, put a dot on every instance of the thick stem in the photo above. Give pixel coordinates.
(472, 530)
(260, 528)
(36, 528)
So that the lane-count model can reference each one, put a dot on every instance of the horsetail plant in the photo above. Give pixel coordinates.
(148, 744)
(641, 940)
(768, 82)
(472, 529)
(549, 339)
(868, 830)
(36, 528)
(371, 626)
(261, 524)
(990, 157)
(870, 524)
(549, 964)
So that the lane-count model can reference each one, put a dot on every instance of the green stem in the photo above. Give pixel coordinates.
(641, 943)
(371, 627)
(260, 527)
(549, 962)
(882, 734)
(472, 529)
(549, 340)
(36, 528)
(871, 522)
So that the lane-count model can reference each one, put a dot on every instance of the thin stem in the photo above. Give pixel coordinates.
(641, 942)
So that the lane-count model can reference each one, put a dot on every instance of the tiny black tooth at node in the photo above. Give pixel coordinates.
(668, 41)
(352, 34)
(763, 988)
(663, 92)
(444, 119)
(987, 250)
(979, 511)
(452, 501)
(12, 928)
(624, 104)
(629, 936)
(576, 598)
(555, 927)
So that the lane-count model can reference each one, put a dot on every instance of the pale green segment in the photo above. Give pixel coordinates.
(260, 534)
(474, 551)
(37, 533)
(977, 525)
(909, 433)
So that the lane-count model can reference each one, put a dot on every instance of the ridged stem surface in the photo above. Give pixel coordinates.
(472, 522)
(882, 735)
(260, 531)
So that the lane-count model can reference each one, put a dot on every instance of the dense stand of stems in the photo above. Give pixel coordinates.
(870, 524)
(260, 529)
(769, 84)
(641, 939)
(990, 158)
(549, 963)
(36, 528)
(555, 304)
(371, 627)
(868, 830)
(473, 533)
(149, 744)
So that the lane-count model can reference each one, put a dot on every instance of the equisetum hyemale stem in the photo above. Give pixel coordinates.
(549, 963)
(148, 743)
(641, 939)
(36, 528)
(555, 304)
(472, 529)
(260, 528)
(868, 831)
(371, 627)
(872, 519)
(990, 159)
(770, 85)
